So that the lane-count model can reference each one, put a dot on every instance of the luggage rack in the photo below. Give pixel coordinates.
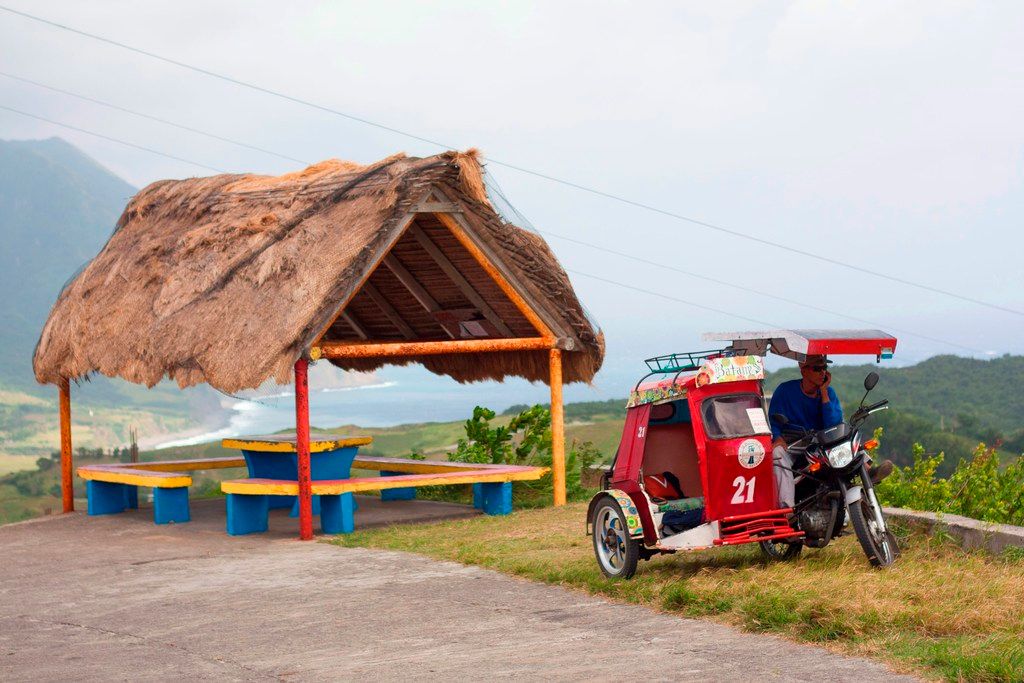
(678, 363)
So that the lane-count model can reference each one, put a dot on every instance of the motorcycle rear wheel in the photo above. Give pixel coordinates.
(781, 551)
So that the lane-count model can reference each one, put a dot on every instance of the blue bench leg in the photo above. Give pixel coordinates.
(131, 497)
(337, 514)
(247, 514)
(408, 493)
(497, 498)
(478, 496)
(170, 505)
(105, 498)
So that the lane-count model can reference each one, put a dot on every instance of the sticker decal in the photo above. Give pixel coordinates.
(629, 511)
(751, 453)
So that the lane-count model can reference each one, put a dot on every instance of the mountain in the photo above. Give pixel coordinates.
(57, 209)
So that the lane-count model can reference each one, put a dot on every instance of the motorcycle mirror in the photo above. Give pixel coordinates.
(870, 381)
(780, 419)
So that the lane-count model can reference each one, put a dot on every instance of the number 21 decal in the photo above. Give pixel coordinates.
(741, 483)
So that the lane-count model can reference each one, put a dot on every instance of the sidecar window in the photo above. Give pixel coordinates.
(729, 417)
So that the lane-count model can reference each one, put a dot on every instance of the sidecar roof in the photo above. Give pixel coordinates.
(798, 344)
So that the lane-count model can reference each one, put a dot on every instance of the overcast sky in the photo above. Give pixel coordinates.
(886, 135)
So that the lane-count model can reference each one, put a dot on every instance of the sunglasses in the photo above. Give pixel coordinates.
(818, 368)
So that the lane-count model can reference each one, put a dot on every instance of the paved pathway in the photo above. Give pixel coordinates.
(116, 598)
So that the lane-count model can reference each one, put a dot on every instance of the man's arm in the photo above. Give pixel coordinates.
(831, 409)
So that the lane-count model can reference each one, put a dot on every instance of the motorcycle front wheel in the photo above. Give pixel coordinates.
(878, 544)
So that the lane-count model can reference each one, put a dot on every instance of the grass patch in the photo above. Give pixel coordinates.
(942, 611)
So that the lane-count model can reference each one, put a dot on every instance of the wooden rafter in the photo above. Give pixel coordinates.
(380, 254)
(453, 273)
(389, 311)
(415, 288)
(456, 225)
(352, 322)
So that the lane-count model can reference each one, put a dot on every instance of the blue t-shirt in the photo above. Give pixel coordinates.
(803, 410)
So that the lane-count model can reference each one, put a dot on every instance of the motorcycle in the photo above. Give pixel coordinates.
(833, 483)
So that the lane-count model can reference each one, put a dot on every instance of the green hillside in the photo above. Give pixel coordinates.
(57, 209)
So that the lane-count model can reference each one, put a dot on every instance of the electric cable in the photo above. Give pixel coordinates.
(140, 114)
(521, 169)
(107, 137)
(529, 224)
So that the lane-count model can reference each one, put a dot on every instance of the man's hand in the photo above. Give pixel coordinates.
(824, 387)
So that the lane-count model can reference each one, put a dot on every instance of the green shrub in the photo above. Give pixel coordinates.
(979, 486)
(525, 441)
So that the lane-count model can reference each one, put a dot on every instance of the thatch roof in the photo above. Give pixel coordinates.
(230, 279)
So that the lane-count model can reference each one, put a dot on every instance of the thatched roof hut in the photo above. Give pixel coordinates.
(231, 279)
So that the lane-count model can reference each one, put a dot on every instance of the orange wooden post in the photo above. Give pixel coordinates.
(557, 427)
(67, 482)
(302, 447)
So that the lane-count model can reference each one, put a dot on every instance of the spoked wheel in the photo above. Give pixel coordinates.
(781, 550)
(878, 544)
(616, 552)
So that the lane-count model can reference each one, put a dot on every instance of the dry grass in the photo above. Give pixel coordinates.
(941, 611)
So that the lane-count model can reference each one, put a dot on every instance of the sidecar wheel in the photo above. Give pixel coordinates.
(617, 553)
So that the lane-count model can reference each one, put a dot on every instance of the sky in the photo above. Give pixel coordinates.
(884, 135)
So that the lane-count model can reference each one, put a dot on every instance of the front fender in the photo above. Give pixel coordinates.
(853, 495)
(629, 511)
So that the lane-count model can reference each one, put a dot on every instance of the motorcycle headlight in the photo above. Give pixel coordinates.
(841, 455)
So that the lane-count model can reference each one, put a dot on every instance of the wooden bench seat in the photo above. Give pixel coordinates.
(248, 503)
(113, 487)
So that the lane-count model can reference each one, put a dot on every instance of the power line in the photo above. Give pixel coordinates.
(529, 224)
(672, 298)
(494, 186)
(152, 118)
(523, 220)
(107, 137)
(751, 290)
(567, 183)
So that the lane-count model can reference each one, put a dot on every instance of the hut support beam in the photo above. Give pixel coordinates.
(557, 427)
(430, 348)
(67, 482)
(302, 447)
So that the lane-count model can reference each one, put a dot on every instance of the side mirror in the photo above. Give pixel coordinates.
(870, 381)
(780, 419)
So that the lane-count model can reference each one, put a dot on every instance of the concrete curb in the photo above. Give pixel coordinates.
(971, 533)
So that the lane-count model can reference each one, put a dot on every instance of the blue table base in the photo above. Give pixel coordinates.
(248, 514)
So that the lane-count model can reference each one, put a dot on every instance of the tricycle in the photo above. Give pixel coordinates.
(694, 468)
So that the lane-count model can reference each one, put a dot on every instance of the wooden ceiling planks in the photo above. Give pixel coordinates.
(428, 275)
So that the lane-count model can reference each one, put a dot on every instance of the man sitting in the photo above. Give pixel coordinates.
(809, 403)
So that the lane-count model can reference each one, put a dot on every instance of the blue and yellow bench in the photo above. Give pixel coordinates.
(248, 500)
(113, 488)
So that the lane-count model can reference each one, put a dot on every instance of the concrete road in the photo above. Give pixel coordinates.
(117, 598)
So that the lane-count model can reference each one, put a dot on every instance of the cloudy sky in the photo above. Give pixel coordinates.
(883, 135)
